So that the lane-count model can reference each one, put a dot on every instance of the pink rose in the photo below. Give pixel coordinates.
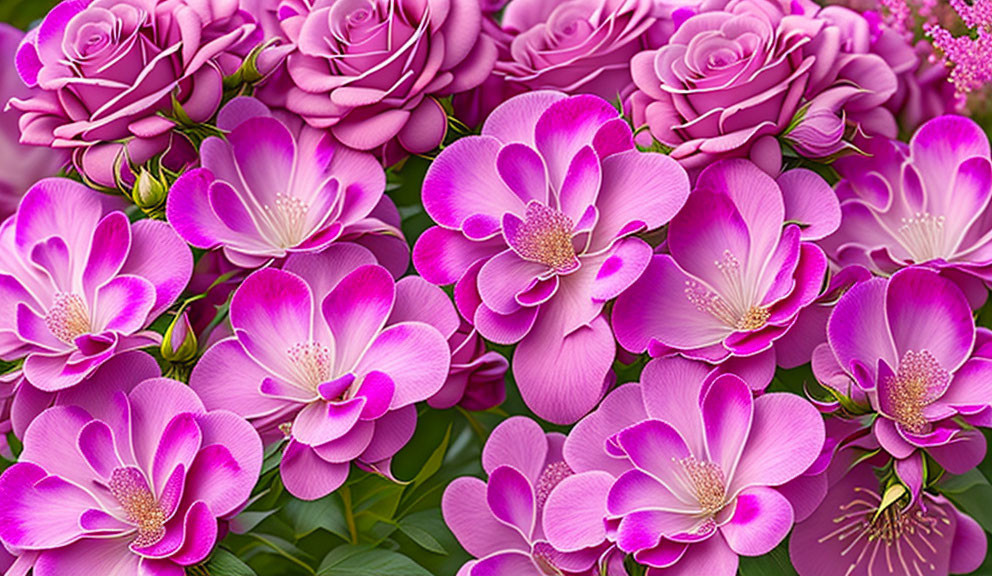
(579, 46)
(118, 77)
(20, 165)
(372, 71)
(731, 79)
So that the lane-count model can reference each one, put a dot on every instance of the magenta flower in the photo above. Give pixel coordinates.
(907, 348)
(706, 462)
(127, 482)
(372, 71)
(81, 283)
(577, 46)
(314, 359)
(739, 268)
(504, 522)
(734, 76)
(537, 217)
(274, 186)
(925, 203)
(20, 165)
(118, 77)
(849, 535)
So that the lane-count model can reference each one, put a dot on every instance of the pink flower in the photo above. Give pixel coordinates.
(849, 534)
(506, 522)
(704, 460)
(577, 46)
(275, 186)
(20, 165)
(127, 481)
(315, 358)
(81, 283)
(730, 78)
(371, 71)
(925, 203)
(739, 269)
(118, 77)
(906, 349)
(537, 220)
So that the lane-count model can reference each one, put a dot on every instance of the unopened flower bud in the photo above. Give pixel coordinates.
(149, 192)
(179, 345)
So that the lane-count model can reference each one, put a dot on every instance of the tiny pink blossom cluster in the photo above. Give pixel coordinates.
(686, 232)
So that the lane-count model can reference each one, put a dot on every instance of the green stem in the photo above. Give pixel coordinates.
(349, 515)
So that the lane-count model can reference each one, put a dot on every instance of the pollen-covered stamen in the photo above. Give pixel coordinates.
(733, 310)
(918, 383)
(707, 483)
(312, 362)
(551, 476)
(68, 317)
(923, 237)
(129, 488)
(288, 219)
(902, 535)
(545, 237)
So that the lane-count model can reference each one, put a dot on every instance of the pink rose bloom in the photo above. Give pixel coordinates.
(317, 358)
(849, 534)
(730, 79)
(274, 186)
(577, 46)
(739, 267)
(127, 480)
(20, 165)
(372, 71)
(537, 222)
(118, 77)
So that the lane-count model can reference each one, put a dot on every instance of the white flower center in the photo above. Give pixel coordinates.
(312, 362)
(923, 237)
(734, 309)
(288, 219)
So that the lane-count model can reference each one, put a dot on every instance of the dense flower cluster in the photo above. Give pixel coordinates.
(681, 283)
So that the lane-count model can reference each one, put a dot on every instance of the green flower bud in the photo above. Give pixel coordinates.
(149, 193)
(179, 345)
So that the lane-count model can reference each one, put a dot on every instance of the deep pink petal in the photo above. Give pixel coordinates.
(762, 518)
(306, 475)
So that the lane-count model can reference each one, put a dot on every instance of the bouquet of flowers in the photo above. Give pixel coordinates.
(495, 287)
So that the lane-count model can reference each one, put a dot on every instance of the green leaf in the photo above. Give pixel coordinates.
(775, 563)
(433, 463)
(326, 513)
(351, 560)
(223, 563)
(420, 526)
(975, 503)
(963, 482)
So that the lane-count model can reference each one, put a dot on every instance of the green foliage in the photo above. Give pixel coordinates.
(775, 563)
